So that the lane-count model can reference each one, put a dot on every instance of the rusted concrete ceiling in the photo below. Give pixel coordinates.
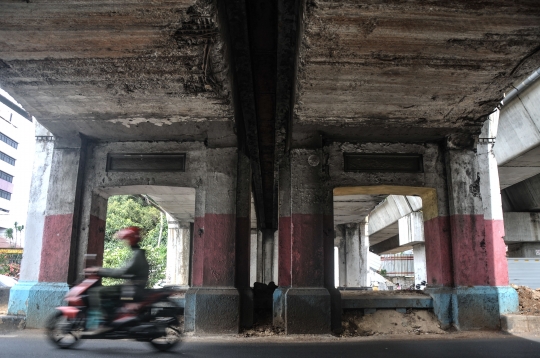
(410, 70)
(117, 70)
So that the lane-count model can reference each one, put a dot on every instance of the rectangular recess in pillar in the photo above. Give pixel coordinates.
(382, 162)
(139, 162)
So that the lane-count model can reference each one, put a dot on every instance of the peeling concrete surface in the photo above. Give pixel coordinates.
(103, 69)
(425, 67)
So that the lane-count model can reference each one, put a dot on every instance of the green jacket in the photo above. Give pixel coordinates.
(136, 270)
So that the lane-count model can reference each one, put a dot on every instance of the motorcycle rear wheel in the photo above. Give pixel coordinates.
(171, 337)
(62, 332)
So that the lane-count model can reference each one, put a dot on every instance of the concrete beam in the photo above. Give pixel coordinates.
(518, 138)
(411, 229)
(391, 210)
(385, 246)
(521, 227)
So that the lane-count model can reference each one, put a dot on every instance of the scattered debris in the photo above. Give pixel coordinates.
(263, 301)
(389, 321)
(529, 300)
(263, 330)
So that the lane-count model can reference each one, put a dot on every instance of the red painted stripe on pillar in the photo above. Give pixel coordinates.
(477, 252)
(284, 246)
(198, 253)
(495, 246)
(243, 254)
(56, 246)
(219, 250)
(96, 240)
(438, 251)
(307, 250)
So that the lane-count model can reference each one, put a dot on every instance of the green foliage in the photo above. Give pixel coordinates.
(10, 265)
(126, 210)
(383, 272)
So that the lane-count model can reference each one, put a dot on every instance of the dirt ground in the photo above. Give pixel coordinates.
(388, 321)
(383, 293)
(354, 323)
(529, 300)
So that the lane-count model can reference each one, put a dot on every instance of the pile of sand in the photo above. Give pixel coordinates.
(529, 300)
(387, 321)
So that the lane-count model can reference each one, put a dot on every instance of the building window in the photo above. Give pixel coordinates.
(5, 194)
(6, 158)
(4, 138)
(6, 176)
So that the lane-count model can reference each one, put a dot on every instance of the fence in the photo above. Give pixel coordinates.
(398, 265)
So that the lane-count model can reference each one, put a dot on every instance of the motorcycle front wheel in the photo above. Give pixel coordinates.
(61, 331)
(172, 334)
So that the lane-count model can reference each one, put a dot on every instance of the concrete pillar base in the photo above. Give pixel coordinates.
(212, 311)
(303, 310)
(36, 300)
(481, 307)
(246, 307)
(278, 309)
(442, 304)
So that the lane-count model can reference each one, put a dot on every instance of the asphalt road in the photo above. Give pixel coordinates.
(32, 343)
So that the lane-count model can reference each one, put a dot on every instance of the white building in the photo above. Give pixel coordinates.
(16, 157)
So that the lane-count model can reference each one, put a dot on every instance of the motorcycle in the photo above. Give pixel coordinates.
(152, 319)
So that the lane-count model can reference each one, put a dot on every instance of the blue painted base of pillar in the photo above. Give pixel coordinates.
(211, 310)
(442, 304)
(36, 300)
(278, 307)
(480, 307)
(307, 311)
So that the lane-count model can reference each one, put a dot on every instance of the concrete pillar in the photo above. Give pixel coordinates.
(243, 240)
(30, 266)
(302, 304)
(364, 252)
(253, 257)
(284, 244)
(213, 303)
(260, 265)
(352, 254)
(178, 249)
(437, 237)
(275, 255)
(58, 259)
(411, 231)
(342, 260)
(420, 268)
(268, 255)
(96, 230)
(480, 267)
(327, 196)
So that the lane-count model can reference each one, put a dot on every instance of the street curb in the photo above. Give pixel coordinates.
(12, 323)
(513, 323)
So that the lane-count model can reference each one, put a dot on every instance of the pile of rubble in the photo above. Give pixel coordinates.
(388, 321)
(529, 300)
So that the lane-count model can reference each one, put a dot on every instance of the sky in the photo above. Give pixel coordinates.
(24, 163)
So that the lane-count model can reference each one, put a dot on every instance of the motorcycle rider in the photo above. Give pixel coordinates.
(135, 271)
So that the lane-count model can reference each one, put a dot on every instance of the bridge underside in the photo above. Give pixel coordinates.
(291, 105)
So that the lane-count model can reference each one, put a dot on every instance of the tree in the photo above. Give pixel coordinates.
(9, 235)
(18, 233)
(128, 210)
(14, 240)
